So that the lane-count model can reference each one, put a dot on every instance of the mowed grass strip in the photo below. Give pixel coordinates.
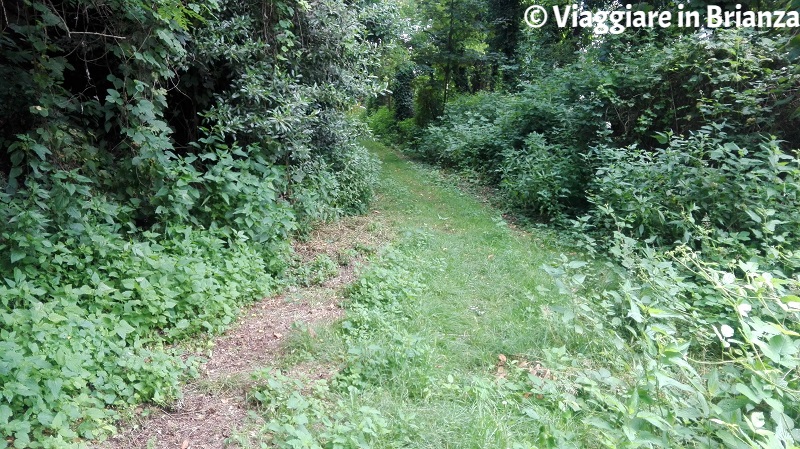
(491, 294)
(481, 323)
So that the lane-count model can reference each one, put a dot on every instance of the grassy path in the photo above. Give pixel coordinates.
(487, 299)
(443, 337)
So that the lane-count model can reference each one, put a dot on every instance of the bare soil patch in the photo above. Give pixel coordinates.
(215, 405)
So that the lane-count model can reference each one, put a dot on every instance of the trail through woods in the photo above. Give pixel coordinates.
(451, 305)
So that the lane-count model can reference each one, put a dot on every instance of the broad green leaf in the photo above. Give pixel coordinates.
(780, 349)
(17, 255)
(40, 151)
(54, 385)
(103, 289)
(95, 413)
(56, 318)
(790, 298)
(747, 392)
(634, 312)
(45, 418)
(123, 328)
(5, 414)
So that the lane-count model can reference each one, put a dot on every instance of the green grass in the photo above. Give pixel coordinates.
(490, 295)
(482, 293)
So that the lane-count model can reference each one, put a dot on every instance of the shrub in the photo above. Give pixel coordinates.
(147, 187)
(428, 101)
(81, 331)
(699, 190)
(408, 132)
(383, 124)
(703, 357)
(469, 136)
(541, 178)
(356, 171)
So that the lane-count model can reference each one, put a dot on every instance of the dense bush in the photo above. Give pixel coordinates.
(542, 178)
(157, 158)
(468, 136)
(528, 143)
(83, 323)
(738, 82)
(383, 124)
(701, 189)
(700, 354)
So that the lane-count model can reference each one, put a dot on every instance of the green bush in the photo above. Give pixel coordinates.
(469, 136)
(542, 179)
(313, 188)
(81, 331)
(383, 124)
(737, 82)
(701, 357)
(528, 143)
(700, 190)
(408, 132)
(356, 172)
(150, 181)
(428, 101)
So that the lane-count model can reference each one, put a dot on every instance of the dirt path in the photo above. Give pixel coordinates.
(214, 406)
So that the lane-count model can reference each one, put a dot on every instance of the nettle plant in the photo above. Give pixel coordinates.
(706, 357)
(301, 415)
(157, 159)
(701, 190)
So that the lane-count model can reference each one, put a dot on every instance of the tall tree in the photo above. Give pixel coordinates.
(453, 37)
(505, 25)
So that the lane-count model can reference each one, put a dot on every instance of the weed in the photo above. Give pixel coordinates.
(315, 272)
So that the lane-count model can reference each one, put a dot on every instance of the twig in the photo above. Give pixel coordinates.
(5, 13)
(70, 33)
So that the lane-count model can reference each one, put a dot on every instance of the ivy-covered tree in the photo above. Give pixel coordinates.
(505, 19)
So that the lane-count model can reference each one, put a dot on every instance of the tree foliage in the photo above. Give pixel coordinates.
(157, 158)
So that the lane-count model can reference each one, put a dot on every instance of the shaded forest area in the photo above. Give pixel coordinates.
(157, 156)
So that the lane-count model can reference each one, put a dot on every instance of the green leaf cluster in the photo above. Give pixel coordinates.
(156, 159)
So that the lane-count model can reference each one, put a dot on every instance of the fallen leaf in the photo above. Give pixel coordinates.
(277, 335)
(185, 444)
(502, 359)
